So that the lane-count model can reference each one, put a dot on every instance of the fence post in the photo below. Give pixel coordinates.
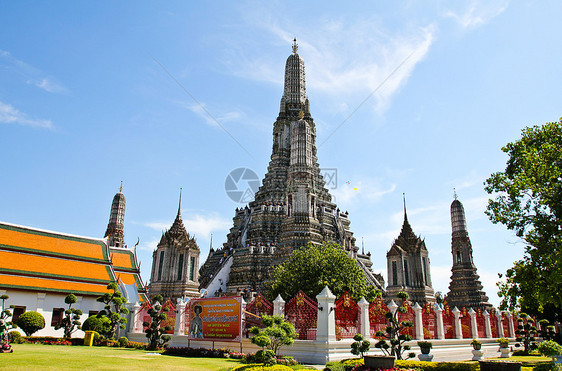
(473, 324)
(439, 321)
(364, 323)
(392, 307)
(418, 321)
(487, 325)
(510, 324)
(278, 306)
(500, 324)
(180, 317)
(458, 329)
(326, 323)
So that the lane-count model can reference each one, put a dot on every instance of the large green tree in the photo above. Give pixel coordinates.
(313, 267)
(528, 200)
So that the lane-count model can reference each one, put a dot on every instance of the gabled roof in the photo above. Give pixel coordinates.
(407, 241)
(38, 260)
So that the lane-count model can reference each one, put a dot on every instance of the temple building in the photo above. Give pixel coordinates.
(290, 209)
(39, 268)
(408, 266)
(175, 263)
(465, 288)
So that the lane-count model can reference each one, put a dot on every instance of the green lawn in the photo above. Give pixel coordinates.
(59, 357)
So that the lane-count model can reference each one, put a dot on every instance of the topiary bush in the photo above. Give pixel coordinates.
(31, 322)
(15, 337)
(261, 367)
(123, 342)
(101, 325)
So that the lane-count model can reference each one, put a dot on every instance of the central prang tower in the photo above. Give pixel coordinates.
(290, 209)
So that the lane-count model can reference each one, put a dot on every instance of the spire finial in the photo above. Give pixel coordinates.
(121, 187)
(295, 46)
(455, 193)
(362, 246)
(211, 245)
(179, 207)
(404, 198)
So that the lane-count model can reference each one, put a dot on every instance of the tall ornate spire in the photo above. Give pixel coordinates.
(179, 206)
(294, 97)
(465, 287)
(115, 227)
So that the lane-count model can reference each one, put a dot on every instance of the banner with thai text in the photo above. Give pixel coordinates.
(215, 318)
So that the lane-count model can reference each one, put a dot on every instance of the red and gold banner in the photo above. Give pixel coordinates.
(215, 318)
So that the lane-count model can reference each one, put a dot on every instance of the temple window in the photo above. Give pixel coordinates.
(180, 267)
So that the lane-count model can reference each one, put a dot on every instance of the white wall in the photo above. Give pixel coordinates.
(44, 304)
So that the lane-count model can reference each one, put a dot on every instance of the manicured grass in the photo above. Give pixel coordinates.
(58, 357)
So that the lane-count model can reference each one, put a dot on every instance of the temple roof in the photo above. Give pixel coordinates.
(38, 260)
(407, 240)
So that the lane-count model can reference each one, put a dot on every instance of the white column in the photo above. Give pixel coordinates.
(458, 329)
(473, 324)
(279, 306)
(487, 325)
(326, 323)
(137, 321)
(418, 321)
(365, 325)
(180, 317)
(510, 323)
(439, 321)
(500, 324)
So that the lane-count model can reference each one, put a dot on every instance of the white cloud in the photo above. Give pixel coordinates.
(347, 59)
(32, 75)
(212, 118)
(477, 13)
(10, 115)
(48, 84)
(360, 191)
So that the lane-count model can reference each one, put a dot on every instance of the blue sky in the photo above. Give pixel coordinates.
(90, 95)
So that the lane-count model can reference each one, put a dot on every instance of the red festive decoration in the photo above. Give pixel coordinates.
(347, 317)
(302, 312)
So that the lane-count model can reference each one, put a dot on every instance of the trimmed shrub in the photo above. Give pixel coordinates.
(46, 340)
(349, 364)
(31, 322)
(15, 337)
(101, 325)
(261, 367)
(123, 342)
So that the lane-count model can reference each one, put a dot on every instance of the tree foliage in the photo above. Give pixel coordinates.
(71, 320)
(395, 332)
(154, 332)
(360, 346)
(6, 314)
(528, 200)
(313, 267)
(31, 322)
(276, 333)
(114, 308)
(525, 333)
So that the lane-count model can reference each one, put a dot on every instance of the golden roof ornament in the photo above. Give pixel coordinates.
(295, 46)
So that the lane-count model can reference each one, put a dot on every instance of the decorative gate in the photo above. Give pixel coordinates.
(494, 323)
(377, 319)
(253, 312)
(347, 317)
(448, 322)
(302, 312)
(429, 322)
(408, 316)
(480, 323)
(465, 324)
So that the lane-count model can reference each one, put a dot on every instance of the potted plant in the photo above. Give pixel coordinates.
(425, 348)
(477, 353)
(504, 347)
(552, 349)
